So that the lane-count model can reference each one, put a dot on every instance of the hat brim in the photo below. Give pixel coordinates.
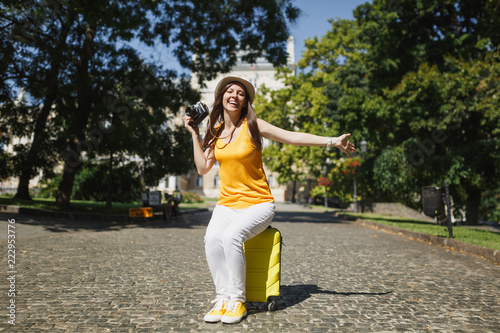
(229, 79)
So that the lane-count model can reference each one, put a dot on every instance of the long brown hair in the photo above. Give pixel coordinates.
(217, 116)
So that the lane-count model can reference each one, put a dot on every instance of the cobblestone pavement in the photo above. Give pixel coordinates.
(81, 276)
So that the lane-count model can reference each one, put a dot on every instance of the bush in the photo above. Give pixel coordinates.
(92, 181)
(190, 197)
(49, 188)
(490, 205)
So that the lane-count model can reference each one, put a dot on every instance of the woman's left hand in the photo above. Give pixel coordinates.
(343, 144)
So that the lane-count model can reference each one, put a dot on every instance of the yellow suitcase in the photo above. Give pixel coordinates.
(263, 258)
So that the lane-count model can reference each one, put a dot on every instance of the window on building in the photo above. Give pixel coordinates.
(172, 182)
(270, 180)
(199, 181)
(216, 181)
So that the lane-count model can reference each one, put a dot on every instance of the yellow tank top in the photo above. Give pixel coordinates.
(243, 182)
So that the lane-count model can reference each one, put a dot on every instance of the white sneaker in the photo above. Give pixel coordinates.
(217, 311)
(235, 312)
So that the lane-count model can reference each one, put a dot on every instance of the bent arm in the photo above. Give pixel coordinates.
(303, 139)
(204, 160)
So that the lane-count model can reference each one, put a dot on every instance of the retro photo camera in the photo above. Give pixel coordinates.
(197, 112)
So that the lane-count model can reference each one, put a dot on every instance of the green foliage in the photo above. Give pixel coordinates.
(395, 176)
(340, 179)
(299, 107)
(48, 188)
(318, 191)
(490, 205)
(6, 169)
(418, 80)
(447, 124)
(88, 93)
(191, 197)
(92, 181)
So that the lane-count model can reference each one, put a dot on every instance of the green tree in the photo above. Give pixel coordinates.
(66, 54)
(417, 80)
(395, 176)
(451, 121)
(136, 129)
(91, 183)
(31, 67)
(399, 35)
(325, 98)
(297, 108)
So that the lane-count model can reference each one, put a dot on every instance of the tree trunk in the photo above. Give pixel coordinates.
(79, 121)
(23, 185)
(66, 183)
(29, 166)
(472, 207)
(294, 190)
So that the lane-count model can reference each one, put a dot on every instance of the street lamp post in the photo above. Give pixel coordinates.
(363, 147)
(326, 192)
(355, 196)
(325, 171)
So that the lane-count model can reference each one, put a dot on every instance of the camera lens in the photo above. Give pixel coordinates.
(190, 111)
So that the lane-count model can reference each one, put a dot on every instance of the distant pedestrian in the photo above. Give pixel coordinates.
(246, 206)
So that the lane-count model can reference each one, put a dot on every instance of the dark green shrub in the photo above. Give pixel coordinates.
(91, 183)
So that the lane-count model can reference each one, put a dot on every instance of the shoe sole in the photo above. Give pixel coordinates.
(233, 320)
(213, 319)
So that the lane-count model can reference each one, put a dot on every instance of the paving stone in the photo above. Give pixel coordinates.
(152, 277)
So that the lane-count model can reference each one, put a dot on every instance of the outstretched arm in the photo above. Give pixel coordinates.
(304, 139)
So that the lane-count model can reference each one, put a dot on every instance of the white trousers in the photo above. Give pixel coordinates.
(227, 230)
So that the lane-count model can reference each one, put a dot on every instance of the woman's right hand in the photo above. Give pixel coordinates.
(203, 159)
(193, 131)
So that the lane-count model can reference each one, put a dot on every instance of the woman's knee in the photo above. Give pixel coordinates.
(233, 238)
(212, 239)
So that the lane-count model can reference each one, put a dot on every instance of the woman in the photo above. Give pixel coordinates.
(246, 206)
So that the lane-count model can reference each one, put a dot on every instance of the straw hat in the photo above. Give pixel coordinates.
(248, 86)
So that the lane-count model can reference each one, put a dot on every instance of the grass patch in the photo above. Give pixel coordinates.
(483, 238)
(76, 206)
(207, 202)
(88, 207)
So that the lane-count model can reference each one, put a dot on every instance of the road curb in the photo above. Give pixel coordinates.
(452, 244)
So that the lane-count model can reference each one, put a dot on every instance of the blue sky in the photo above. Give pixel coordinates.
(312, 22)
(315, 16)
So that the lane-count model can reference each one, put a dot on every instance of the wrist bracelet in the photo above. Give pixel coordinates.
(329, 143)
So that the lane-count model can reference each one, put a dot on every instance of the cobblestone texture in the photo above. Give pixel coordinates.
(74, 276)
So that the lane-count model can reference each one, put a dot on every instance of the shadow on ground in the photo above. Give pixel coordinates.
(71, 223)
(292, 295)
(61, 225)
(304, 216)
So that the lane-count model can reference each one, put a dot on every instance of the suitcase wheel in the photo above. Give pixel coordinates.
(272, 304)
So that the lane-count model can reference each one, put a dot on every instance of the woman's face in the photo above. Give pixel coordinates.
(234, 99)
